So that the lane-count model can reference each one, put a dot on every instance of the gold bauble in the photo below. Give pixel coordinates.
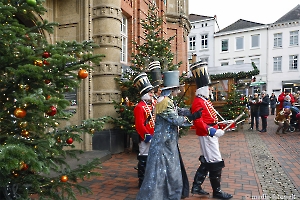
(23, 124)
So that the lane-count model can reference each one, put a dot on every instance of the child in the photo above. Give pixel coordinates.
(282, 119)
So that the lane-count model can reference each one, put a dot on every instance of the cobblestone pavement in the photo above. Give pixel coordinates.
(257, 166)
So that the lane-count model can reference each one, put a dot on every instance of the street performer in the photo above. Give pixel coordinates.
(144, 121)
(165, 176)
(208, 132)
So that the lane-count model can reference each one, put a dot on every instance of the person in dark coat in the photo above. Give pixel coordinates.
(264, 110)
(273, 101)
(254, 111)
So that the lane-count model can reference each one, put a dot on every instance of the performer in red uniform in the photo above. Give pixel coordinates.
(282, 96)
(144, 121)
(208, 132)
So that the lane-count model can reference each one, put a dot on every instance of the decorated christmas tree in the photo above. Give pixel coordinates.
(235, 105)
(34, 78)
(152, 47)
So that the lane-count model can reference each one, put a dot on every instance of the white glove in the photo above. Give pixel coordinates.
(219, 133)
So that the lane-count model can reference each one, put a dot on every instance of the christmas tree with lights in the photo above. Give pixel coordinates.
(34, 78)
(152, 47)
(235, 105)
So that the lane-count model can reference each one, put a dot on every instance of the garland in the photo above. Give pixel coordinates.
(238, 75)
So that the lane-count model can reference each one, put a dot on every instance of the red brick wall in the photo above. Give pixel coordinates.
(135, 10)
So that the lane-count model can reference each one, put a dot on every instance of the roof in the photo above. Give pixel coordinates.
(240, 24)
(246, 67)
(195, 17)
(294, 14)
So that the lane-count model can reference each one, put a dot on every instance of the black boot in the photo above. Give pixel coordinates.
(199, 178)
(215, 181)
(141, 168)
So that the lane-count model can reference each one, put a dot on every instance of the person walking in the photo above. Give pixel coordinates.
(273, 102)
(208, 135)
(254, 111)
(165, 176)
(144, 121)
(264, 102)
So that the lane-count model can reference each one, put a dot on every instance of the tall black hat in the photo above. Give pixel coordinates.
(142, 83)
(155, 74)
(200, 74)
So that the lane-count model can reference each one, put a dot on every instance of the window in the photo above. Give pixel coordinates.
(204, 41)
(255, 41)
(192, 43)
(224, 45)
(278, 40)
(294, 38)
(239, 62)
(224, 63)
(220, 90)
(124, 37)
(256, 61)
(293, 63)
(277, 64)
(239, 43)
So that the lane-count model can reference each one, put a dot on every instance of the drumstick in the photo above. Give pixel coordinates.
(238, 117)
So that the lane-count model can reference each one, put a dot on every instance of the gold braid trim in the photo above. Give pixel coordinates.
(161, 106)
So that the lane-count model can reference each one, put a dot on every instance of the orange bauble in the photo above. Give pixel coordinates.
(25, 133)
(64, 178)
(20, 112)
(83, 74)
(24, 166)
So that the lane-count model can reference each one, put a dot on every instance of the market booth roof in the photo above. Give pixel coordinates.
(245, 70)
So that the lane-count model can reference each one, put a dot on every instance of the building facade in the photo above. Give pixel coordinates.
(201, 38)
(274, 48)
(113, 25)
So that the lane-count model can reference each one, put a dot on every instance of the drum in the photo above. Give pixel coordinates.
(224, 124)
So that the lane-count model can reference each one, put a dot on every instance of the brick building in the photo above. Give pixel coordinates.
(113, 24)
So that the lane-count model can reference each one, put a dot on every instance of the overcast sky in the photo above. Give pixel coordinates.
(229, 11)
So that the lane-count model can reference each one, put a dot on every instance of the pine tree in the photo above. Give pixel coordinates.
(235, 105)
(153, 47)
(34, 77)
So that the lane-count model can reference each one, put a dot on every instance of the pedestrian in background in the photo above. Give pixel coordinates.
(264, 102)
(282, 95)
(287, 101)
(254, 111)
(273, 102)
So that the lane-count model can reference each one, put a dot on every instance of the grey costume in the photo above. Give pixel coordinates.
(165, 176)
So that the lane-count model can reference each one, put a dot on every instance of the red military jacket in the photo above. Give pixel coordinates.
(281, 99)
(209, 116)
(144, 119)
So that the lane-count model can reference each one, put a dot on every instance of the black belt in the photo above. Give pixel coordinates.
(212, 124)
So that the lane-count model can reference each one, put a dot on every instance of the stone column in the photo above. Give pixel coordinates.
(106, 20)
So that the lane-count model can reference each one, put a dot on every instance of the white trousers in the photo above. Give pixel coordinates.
(144, 148)
(209, 147)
